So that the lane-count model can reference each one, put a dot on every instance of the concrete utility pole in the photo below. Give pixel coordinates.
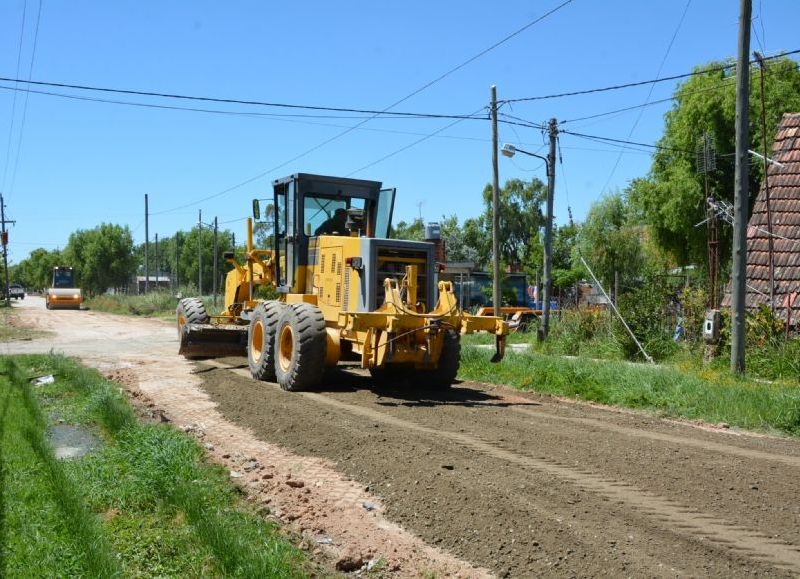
(495, 210)
(146, 245)
(740, 191)
(216, 253)
(548, 230)
(199, 252)
(4, 239)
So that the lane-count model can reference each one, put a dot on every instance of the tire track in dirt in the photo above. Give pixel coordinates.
(748, 453)
(668, 512)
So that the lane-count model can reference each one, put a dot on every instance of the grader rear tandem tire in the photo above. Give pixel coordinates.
(300, 347)
(261, 340)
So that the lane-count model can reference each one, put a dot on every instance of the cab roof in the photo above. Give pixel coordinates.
(328, 179)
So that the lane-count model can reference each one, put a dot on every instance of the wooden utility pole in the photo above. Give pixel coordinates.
(177, 257)
(4, 240)
(157, 262)
(199, 252)
(216, 253)
(495, 210)
(146, 245)
(740, 192)
(547, 288)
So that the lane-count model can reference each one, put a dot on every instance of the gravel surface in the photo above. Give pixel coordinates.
(474, 481)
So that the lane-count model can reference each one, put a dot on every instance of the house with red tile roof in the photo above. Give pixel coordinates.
(776, 217)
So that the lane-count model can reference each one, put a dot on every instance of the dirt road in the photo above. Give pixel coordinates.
(477, 481)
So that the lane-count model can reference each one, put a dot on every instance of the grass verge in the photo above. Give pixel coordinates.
(144, 504)
(154, 304)
(709, 395)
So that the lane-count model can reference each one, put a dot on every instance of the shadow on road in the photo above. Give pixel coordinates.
(410, 391)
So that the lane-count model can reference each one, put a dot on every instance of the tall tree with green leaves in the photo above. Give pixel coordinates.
(671, 198)
(190, 260)
(521, 220)
(414, 231)
(611, 242)
(102, 257)
(35, 271)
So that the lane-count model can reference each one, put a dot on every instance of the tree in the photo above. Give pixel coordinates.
(414, 231)
(610, 243)
(35, 271)
(521, 219)
(189, 263)
(457, 244)
(566, 271)
(102, 257)
(672, 197)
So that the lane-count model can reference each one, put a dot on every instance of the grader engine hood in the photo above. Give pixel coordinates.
(388, 302)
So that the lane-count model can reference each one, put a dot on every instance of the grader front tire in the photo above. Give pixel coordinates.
(261, 340)
(189, 311)
(445, 374)
(300, 347)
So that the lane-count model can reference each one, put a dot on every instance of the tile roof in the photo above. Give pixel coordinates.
(784, 194)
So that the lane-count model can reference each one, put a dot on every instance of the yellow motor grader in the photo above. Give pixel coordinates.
(345, 292)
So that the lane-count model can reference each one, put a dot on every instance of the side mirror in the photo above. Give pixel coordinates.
(256, 209)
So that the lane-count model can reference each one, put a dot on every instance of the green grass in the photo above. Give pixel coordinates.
(484, 338)
(144, 504)
(154, 304)
(151, 305)
(711, 395)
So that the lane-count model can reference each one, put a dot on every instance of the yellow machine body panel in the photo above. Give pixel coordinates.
(375, 299)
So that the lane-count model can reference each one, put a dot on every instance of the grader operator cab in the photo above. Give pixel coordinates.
(345, 292)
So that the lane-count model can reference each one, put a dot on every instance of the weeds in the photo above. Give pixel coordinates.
(82, 526)
(150, 305)
(714, 397)
(166, 513)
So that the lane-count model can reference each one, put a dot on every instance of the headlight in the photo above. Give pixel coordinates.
(76, 296)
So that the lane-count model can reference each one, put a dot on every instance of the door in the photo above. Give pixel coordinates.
(383, 213)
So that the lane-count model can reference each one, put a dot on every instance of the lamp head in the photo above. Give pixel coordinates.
(508, 150)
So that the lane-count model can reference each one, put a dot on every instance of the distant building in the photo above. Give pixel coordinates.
(160, 282)
(784, 194)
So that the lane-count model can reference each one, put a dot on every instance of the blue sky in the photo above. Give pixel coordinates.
(82, 163)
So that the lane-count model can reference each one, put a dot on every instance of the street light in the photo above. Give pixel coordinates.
(510, 150)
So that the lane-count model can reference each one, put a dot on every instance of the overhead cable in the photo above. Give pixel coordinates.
(25, 102)
(391, 106)
(642, 82)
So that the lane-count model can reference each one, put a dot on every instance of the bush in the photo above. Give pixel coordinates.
(645, 312)
(583, 331)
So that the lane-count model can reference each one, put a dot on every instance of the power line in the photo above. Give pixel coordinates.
(25, 103)
(649, 93)
(389, 114)
(643, 82)
(391, 106)
(406, 147)
(14, 101)
(724, 84)
(225, 112)
(624, 142)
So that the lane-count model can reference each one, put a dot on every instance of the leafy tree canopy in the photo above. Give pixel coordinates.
(671, 198)
(102, 257)
(610, 241)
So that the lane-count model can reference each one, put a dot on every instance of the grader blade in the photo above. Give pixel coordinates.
(213, 340)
